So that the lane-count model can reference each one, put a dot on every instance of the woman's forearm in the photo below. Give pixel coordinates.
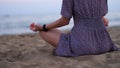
(58, 23)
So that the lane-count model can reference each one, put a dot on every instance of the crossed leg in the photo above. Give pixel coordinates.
(52, 36)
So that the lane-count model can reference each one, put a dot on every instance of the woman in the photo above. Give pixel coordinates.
(88, 35)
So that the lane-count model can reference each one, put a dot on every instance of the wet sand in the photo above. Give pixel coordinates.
(30, 51)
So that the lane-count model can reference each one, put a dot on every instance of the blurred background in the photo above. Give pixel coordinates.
(16, 15)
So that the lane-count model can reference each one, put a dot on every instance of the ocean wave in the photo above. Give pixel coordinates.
(20, 24)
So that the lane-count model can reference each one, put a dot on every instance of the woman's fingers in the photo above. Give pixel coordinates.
(32, 27)
(35, 27)
(106, 22)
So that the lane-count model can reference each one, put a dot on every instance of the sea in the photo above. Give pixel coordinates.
(19, 24)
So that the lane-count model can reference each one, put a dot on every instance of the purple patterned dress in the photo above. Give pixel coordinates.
(88, 35)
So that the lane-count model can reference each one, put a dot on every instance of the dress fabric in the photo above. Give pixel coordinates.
(88, 35)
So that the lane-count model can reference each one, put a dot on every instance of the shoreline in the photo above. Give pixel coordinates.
(63, 29)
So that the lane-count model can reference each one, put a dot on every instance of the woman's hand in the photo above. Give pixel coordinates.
(106, 22)
(35, 27)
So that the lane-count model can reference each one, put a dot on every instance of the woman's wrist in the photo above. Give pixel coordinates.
(44, 28)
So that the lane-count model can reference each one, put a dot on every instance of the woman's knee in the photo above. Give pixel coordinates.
(52, 36)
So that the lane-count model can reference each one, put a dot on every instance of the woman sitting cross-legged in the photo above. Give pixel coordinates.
(88, 35)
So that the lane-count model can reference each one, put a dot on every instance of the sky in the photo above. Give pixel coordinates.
(18, 7)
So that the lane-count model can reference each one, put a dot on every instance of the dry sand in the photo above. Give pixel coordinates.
(30, 51)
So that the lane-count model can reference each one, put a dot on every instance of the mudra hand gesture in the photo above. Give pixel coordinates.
(35, 27)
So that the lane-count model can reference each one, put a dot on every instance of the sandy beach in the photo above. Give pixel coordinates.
(30, 51)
